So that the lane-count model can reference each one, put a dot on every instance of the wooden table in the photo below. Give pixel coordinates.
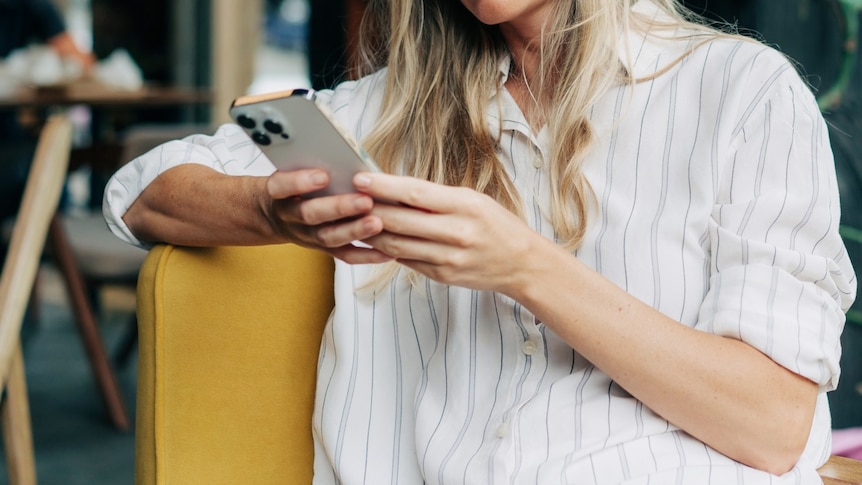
(107, 104)
(102, 96)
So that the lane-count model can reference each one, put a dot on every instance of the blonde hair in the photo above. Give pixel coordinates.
(443, 66)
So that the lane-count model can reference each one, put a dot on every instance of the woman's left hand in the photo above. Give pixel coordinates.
(453, 235)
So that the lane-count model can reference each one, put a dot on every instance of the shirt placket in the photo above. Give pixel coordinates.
(522, 152)
(528, 360)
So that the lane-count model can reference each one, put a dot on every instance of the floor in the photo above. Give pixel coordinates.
(74, 442)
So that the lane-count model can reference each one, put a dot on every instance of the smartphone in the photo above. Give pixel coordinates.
(294, 132)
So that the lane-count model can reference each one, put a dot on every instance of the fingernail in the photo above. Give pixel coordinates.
(318, 178)
(362, 181)
(372, 225)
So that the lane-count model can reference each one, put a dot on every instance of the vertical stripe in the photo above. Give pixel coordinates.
(690, 170)
(351, 385)
(369, 424)
(770, 314)
(760, 168)
(471, 387)
(497, 389)
(787, 173)
(609, 166)
(398, 384)
(443, 336)
(665, 173)
(627, 257)
(815, 185)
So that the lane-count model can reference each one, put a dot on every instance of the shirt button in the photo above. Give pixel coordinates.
(529, 347)
(538, 162)
(502, 430)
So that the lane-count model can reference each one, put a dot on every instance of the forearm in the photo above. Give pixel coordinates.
(722, 391)
(194, 205)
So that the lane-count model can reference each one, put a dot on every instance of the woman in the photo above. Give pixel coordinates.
(615, 256)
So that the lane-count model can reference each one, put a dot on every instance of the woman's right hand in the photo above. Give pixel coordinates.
(329, 224)
(194, 205)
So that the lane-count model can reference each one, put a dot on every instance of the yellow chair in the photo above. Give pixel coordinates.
(227, 355)
(228, 348)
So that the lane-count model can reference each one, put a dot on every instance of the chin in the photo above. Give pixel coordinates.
(489, 12)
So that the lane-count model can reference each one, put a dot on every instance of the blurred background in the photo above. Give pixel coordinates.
(163, 69)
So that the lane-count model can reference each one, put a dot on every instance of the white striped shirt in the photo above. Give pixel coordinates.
(718, 206)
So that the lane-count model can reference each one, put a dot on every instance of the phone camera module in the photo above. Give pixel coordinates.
(273, 127)
(261, 138)
(246, 121)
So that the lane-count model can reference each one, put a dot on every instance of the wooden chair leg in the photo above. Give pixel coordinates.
(86, 322)
(17, 433)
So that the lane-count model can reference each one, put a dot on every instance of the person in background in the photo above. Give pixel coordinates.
(609, 252)
(22, 23)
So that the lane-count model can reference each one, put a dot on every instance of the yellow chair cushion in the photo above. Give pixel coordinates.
(229, 339)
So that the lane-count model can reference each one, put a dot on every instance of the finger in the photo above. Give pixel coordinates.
(283, 185)
(341, 234)
(321, 210)
(412, 192)
(410, 248)
(422, 224)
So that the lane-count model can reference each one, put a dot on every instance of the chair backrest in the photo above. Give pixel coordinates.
(228, 346)
(38, 206)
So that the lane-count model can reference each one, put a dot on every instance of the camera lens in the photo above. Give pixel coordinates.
(272, 127)
(246, 121)
(260, 138)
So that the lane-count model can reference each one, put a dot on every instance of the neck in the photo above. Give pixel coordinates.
(522, 83)
(523, 36)
(519, 87)
(525, 51)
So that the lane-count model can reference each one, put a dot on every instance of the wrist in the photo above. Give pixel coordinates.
(538, 272)
(267, 221)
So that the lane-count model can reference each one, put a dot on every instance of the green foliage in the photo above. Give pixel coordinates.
(849, 10)
(850, 233)
(854, 4)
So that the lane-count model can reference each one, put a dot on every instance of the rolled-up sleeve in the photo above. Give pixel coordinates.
(781, 278)
(229, 150)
